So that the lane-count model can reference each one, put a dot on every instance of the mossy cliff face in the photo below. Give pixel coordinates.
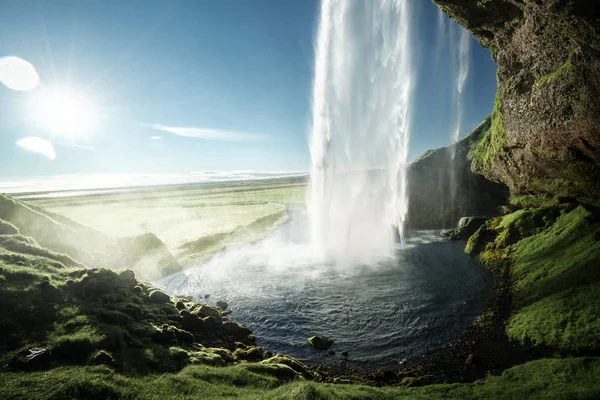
(545, 134)
(443, 189)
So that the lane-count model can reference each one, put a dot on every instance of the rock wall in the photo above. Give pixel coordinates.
(437, 200)
(545, 131)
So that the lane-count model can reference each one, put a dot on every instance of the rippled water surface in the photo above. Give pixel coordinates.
(381, 314)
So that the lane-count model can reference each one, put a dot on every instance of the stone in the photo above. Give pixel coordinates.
(128, 277)
(467, 226)
(345, 353)
(159, 297)
(211, 324)
(290, 362)
(320, 342)
(206, 358)
(225, 354)
(251, 354)
(34, 358)
(547, 111)
(222, 305)
(206, 311)
(331, 353)
(443, 188)
(238, 331)
(180, 305)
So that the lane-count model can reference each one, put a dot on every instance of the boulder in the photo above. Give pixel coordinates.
(206, 358)
(34, 358)
(238, 331)
(222, 305)
(206, 311)
(290, 362)
(320, 342)
(250, 354)
(467, 226)
(225, 354)
(159, 297)
(211, 324)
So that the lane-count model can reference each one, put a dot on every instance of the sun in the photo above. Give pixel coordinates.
(64, 112)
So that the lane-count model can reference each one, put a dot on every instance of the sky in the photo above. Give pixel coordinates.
(197, 85)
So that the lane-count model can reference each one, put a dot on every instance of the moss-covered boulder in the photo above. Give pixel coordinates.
(320, 342)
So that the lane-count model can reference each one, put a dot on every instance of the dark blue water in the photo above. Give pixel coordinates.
(381, 314)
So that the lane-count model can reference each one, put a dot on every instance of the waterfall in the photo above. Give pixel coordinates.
(461, 71)
(360, 130)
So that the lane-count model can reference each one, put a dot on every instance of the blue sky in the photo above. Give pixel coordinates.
(236, 70)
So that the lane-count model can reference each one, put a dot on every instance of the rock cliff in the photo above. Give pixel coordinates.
(545, 130)
(443, 189)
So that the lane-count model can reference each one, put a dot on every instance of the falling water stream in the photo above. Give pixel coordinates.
(337, 267)
(359, 138)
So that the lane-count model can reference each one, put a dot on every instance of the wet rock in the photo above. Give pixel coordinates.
(237, 331)
(159, 297)
(206, 358)
(206, 311)
(331, 353)
(225, 354)
(211, 324)
(345, 353)
(222, 305)
(467, 226)
(251, 354)
(290, 362)
(31, 359)
(190, 321)
(320, 342)
(180, 306)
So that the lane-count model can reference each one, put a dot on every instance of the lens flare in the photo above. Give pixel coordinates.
(38, 145)
(18, 74)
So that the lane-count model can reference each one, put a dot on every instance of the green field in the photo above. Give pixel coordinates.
(193, 221)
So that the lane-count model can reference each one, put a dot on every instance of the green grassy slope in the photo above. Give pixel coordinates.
(111, 336)
(552, 250)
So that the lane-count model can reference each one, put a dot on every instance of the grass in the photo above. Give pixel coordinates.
(192, 221)
(547, 378)
(485, 150)
(553, 248)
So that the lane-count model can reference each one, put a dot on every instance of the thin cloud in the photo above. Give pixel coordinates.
(155, 137)
(210, 134)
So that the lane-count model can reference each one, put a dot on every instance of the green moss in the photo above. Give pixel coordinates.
(484, 151)
(547, 378)
(566, 321)
(553, 248)
(563, 70)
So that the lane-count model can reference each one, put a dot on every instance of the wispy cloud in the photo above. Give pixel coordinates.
(210, 134)
(155, 137)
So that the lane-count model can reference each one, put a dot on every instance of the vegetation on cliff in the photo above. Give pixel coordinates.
(548, 93)
(551, 248)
